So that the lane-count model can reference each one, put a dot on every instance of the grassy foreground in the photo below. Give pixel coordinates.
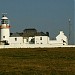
(47, 61)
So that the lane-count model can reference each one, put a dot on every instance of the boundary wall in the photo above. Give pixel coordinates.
(34, 46)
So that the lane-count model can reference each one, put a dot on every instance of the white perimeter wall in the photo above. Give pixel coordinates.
(34, 46)
(55, 42)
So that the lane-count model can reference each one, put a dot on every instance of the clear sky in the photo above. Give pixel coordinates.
(44, 15)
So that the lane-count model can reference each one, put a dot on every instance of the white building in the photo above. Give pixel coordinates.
(61, 39)
(41, 40)
(28, 37)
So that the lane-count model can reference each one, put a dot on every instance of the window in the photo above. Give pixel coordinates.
(3, 36)
(41, 42)
(40, 38)
(26, 40)
(15, 39)
(4, 21)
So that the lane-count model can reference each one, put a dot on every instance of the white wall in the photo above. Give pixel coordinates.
(34, 46)
(55, 42)
(17, 40)
(27, 40)
(30, 38)
(5, 33)
(41, 39)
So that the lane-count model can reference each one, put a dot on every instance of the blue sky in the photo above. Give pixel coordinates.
(44, 15)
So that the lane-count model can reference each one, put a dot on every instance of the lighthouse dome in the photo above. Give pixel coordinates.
(4, 17)
(4, 20)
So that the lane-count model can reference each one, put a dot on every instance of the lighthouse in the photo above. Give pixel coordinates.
(4, 29)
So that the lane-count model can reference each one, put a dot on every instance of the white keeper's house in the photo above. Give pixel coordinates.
(29, 37)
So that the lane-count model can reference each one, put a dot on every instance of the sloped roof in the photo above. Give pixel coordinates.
(31, 34)
(28, 33)
(40, 34)
(29, 30)
(15, 35)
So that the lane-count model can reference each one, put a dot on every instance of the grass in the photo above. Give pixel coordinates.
(37, 61)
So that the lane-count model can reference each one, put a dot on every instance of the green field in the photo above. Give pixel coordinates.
(47, 61)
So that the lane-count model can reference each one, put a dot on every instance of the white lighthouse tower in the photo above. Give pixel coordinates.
(4, 29)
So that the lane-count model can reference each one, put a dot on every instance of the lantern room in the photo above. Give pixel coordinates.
(4, 22)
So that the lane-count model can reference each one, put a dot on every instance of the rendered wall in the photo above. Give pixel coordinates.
(16, 40)
(5, 33)
(44, 40)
